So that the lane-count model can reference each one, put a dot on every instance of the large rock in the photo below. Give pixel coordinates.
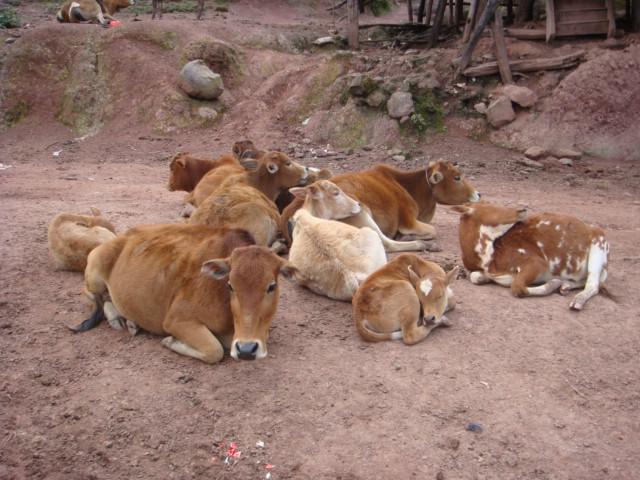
(500, 112)
(523, 96)
(400, 104)
(376, 99)
(535, 152)
(566, 153)
(198, 81)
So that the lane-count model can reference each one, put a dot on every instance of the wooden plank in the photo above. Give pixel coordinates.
(500, 48)
(488, 12)
(551, 19)
(467, 25)
(585, 16)
(575, 29)
(352, 24)
(528, 65)
(526, 33)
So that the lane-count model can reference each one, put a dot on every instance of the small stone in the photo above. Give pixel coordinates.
(10, 40)
(376, 99)
(534, 152)
(500, 112)
(566, 161)
(567, 153)
(404, 120)
(474, 427)
(530, 163)
(480, 107)
(324, 41)
(400, 104)
(207, 113)
(454, 444)
(523, 96)
(398, 158)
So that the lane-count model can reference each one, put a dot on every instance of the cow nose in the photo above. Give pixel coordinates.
(247, 350)
(430, 319)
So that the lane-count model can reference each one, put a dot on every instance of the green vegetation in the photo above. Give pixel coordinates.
(182, 6)
(16, 113)
(380, 7)
(428, 111)
(9, 18)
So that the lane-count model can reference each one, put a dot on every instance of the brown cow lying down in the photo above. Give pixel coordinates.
(405, 299)
(402, 202)
(203, 287)
(92, 11)
(71, 237)
(245, 200)
(508, 247)
(332, 258)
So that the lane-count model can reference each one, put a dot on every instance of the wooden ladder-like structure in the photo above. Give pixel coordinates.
(566, 18)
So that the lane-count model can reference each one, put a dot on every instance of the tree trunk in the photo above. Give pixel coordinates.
(487, 14)
(352, 24)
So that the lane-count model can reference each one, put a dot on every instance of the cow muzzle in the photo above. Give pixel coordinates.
(246, 350)
(475, 197)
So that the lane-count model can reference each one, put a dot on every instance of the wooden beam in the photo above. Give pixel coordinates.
(437, 22)
(352, 24)
(551, 19)
(410, 10)
(468, 26)
(529, 65)
(501, 49)
(488, 12)
(526, 33)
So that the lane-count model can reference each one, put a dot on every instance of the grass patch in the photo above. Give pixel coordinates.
(380, 7)
(182, 6)
(428, 114)
(16, 113)
(9, 18)
(319, 85)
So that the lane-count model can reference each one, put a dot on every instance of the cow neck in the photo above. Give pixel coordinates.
(266, 185)
(416, 184)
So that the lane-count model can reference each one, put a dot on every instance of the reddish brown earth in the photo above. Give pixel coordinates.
(556, 392)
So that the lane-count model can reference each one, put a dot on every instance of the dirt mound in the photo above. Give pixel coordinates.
(595, 108)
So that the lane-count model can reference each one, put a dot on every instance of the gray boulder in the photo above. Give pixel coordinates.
(198, 81)
(500, 112)
(523, 96)
(400, 104)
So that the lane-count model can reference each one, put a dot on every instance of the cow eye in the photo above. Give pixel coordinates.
(230, 287)
(271, 287)
(288, 164)
(336, 193)
(457, 178)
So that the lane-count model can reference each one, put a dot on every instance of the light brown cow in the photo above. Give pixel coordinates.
(187, 170)
(405, 299)
(204, 287)
(551, 251)
(92, 11)
(71, 237)
(332, 258)
(245, 200)
(402, 202)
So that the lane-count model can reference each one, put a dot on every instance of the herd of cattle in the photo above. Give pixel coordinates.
(211, 283)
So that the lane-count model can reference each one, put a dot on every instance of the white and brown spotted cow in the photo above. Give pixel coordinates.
(534, 255)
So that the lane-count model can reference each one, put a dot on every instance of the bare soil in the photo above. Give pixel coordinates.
(555, 392)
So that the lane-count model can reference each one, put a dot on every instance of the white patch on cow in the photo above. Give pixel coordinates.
(475, 197)
(543, 222)
(426, 286)
(522, 251)
(484, 247)
(449, 292)
(553, 264)
(557, 228)
(397, 335)
(505, 280)
(71, 7)
(540, 245)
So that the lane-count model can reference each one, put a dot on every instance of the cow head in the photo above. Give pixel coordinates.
(324, 199)
(433, 292)
(252, 278)
(97, 220)
(274, 172)
(179, 178)
(245, 149)
(449, 185)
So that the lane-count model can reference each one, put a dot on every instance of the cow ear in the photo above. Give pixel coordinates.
(95, 212)
(217, 268)
(288, 271)
(324, 174)
(413, 277)
(249, 164)
(314, 191)
(272, 167)
(523, 213)
(452, 274)
(298, 192)
(463, 209)
(435, 178)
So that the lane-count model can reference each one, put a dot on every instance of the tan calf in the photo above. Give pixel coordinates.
(203, 287)
(332, 258)
(405, 299)
(546, 250)
(246, 200)
(71, 237)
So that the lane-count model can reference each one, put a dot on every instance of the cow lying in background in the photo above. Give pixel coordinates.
(551, 251)
(187, 170)
(246, 200)
(71, 237)
(402, 202)
(204, 287)
(405, 299)
(92, 11)
(332, 258)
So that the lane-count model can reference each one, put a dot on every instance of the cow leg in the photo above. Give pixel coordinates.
(568, 285)
(116, 321)
(363, 219)
(529, 272)
(596, 275)
(193, 339)
(479, 278)
(415, 331)
(418, 229)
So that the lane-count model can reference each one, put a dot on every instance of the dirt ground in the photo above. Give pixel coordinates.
(554, 391)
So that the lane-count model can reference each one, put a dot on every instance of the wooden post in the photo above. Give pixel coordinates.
(635, 16)
(427, 18)
(510, 12)
(410, 10)
(437, 22)
(468, 26)
(459, 13)
(451, 11)
(352, 24)
(488, 12)
(501, 49)
(551, 19)
(421, 11)
(611, 17)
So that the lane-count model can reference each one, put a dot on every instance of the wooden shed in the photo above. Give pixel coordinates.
(566, 18)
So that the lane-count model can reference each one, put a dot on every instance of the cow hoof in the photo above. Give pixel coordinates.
(477, 278)
(132, 328)
(167, 341)
(576, 305)
(278, 247)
